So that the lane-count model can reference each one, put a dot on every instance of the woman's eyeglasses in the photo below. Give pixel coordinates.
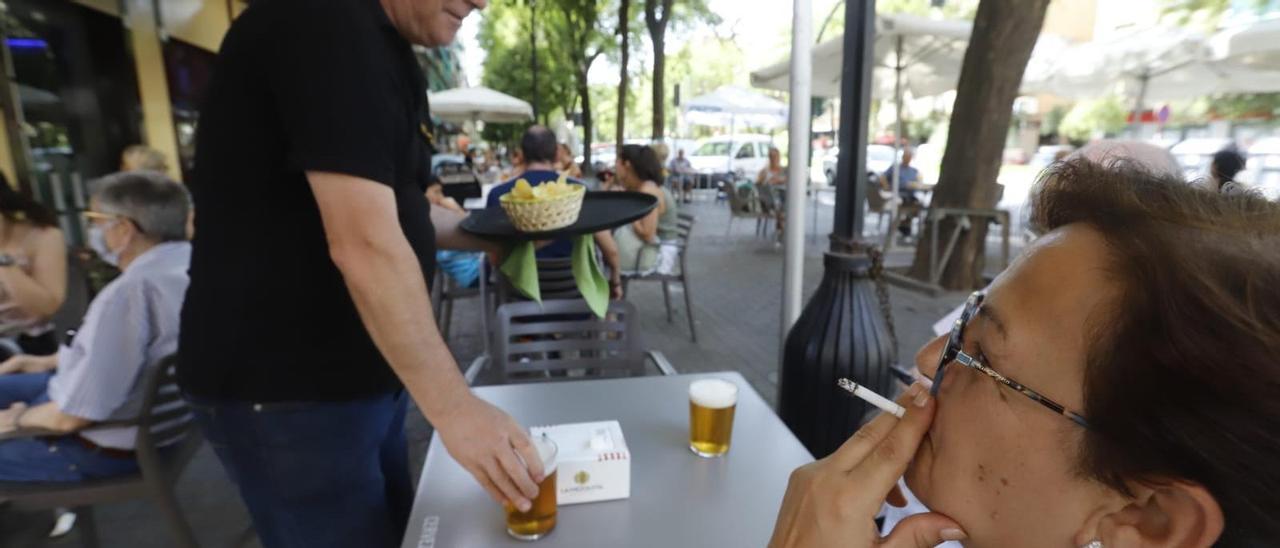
(954, 353)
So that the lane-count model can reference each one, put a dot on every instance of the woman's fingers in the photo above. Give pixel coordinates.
(923, 531)
(860, 444)
(886, 462)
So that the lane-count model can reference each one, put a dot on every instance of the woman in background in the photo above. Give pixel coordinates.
(638, 171)
(565, 164)
(1227, 163)
(33, 274)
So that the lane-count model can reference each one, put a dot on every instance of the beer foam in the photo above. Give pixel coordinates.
(713, 393)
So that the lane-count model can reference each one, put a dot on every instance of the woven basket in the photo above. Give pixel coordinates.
(544, 215)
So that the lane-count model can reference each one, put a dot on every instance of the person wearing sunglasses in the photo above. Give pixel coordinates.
(1115, 387)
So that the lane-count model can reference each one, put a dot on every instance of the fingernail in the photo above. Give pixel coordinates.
(921, 399)
(524, 506)
(914, 391)
(952, 534)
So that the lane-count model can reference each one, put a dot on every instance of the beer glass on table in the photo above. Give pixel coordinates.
(711, 405)
(541, 517)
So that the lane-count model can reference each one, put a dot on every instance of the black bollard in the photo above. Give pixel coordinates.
(841, 332)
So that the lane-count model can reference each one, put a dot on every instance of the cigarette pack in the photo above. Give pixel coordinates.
(593, 461)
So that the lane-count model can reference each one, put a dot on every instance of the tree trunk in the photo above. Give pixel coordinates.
(624, 16)
(1004, 33)
(658, 33)
(585, 92)
(659, 87)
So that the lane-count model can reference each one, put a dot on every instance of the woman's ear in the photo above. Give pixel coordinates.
(1176, 514)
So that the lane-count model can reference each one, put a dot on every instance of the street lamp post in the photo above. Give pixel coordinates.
(844, 330)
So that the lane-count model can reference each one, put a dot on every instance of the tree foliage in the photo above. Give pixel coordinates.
(504, 34)
(977, 132)
(1088, 119)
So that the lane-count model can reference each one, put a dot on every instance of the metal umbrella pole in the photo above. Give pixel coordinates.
(797, 164)
(897, 142)
(844, 330)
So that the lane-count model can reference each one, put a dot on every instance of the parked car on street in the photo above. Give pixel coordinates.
(879, 160)
(731, 157)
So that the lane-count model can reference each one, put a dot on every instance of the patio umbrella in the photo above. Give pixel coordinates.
(731, 105)
(918, 54)
(1255, 44)
(1152, 63)
(728, 106)
(459, 105)
(911, 53)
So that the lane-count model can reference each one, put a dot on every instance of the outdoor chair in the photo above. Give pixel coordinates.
(562, 340)
(555, 281)
(680, 276)
(444, 292)
(880, 201)
(165, 445)
(743, 204)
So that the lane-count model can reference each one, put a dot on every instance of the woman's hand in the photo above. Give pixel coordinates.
(25, 363)
(834, 501)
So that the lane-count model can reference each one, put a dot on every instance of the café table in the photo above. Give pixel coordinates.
(677, 498)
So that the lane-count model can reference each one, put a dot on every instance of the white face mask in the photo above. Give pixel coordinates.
(98, 243)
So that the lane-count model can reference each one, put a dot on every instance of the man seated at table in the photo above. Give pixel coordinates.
(137, 221)
(538, 147)
(682, 176)
(908, 181)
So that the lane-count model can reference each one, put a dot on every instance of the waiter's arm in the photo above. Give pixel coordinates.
(386, 282)
(449, 235)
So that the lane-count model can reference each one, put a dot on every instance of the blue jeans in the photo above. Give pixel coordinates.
(62, 458)
(317, 474)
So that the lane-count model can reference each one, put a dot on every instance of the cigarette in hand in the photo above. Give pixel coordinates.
(872, 398)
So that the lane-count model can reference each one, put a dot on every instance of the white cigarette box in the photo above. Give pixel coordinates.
(593, 463)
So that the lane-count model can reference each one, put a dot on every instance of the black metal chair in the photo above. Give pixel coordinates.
(743, 204)
(445, 292)
(165, 445)
(562, 340)
(555, 282)
(685, 229)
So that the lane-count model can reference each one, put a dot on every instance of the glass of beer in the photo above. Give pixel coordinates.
(711, 404)
(541, 517)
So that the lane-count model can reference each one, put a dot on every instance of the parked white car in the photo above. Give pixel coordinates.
(879, 160)
(740, 155)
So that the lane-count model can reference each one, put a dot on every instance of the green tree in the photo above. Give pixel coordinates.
(1205, 13)
(577, 29)
(1087, 118)
(1004, 32)
(504, 34)
(658, 16)
(624, 54)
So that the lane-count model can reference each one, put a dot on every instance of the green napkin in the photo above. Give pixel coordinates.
(521, 268)
(586, 271)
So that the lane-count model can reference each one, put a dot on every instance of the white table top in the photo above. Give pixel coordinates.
(677, 498)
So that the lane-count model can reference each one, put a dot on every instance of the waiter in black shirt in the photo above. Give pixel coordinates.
(308, 315)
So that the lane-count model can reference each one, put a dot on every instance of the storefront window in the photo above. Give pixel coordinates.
(77, 90)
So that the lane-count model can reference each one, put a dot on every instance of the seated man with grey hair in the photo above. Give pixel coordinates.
(136, 221)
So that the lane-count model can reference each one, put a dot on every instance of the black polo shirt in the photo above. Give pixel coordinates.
(299, 85)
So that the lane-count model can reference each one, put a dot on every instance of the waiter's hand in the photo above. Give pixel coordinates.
(490, 444)
(834, 501)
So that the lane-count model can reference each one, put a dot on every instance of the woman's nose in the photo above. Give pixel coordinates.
(929, 354)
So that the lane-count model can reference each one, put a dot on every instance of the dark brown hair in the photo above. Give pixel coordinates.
(17, 207)
(1183, 378)
(643, 161)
